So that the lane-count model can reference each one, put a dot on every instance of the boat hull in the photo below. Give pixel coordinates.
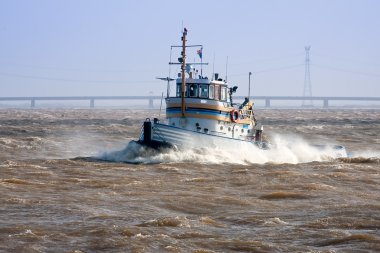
(163, 135)
(157, 135)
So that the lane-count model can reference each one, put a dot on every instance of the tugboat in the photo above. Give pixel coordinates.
(202, 112)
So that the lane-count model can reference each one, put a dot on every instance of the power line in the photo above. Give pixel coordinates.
(66, 69)
(268, 59)
(68, 80)
(346, 60)
(272, 69)
(345, 70)
(278, 69)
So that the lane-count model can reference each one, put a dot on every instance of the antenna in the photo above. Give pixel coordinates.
(249, 85)
(162, 96)
(226, 68)
(170, 70)
(307, 82)
(213, 67)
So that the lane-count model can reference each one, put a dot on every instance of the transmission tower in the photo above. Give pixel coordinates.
(307, 83)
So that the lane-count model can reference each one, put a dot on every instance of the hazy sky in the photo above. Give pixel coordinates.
(118, 47)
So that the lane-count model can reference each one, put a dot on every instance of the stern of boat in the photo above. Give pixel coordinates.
(146, 135)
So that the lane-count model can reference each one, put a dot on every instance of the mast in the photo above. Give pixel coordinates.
(183, 71)
(201, 61)
(249, 85)
(182, 62)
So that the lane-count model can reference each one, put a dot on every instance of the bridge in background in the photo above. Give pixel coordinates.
(150, 99)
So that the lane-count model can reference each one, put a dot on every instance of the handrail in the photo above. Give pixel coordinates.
(243, 113)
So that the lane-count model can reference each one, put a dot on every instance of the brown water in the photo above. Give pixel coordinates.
(57, 195)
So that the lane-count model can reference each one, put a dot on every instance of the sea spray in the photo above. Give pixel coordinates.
(283, 149)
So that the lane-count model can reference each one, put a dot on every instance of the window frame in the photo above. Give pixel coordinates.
(223, 93)
(190, 85)
(178, 90)
(217, 92)
(211, 91)
(200, 87)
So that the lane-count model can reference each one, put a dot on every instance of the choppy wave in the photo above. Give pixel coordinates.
(303, 198)
(284, 195)
(350, 239)
(360, 159)
(167, 222)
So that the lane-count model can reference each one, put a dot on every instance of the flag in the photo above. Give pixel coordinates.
(199, 52)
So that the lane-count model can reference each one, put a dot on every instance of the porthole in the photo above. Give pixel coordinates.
(229, 129)
(242, 130)
(221, 127)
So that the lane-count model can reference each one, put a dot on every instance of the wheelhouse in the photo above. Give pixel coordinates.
(214, 90)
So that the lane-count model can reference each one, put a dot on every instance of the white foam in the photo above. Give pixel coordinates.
(275, 221)
(284, 149)
(366, 154)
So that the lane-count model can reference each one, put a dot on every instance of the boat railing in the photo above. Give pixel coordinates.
(246, 114)
(142, 133)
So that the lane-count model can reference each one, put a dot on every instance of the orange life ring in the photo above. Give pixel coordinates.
(234, 115)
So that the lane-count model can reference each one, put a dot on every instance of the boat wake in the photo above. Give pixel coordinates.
(283, 149)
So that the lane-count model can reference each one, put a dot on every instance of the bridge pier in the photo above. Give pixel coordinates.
(267, 102)
(325, 103)
(150, 99)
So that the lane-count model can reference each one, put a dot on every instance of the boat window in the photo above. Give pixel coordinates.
(203, 90)
(178, 90)
(211, 91)
(223, 94)
(193, 90)
(217, 92)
